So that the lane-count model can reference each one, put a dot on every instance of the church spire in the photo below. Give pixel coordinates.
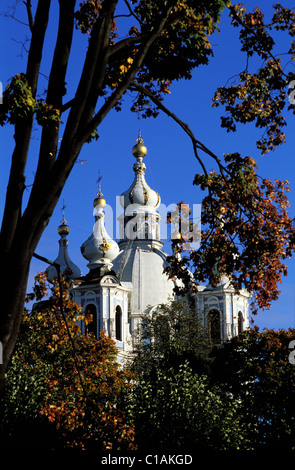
(139, 192)
(63, 228)
(140, 202)
(99, 249)
(68, 269)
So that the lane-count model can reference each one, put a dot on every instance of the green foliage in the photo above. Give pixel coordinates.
(171, 335)
(260, 96)
(185, 35)
(19, 103)
(46, 113)
(177, 410)
(72, 394)
(236, 397)
(94, 136)
(87, 15)
(247, 233)
(172, 404)
(255, 369)
(188, 29)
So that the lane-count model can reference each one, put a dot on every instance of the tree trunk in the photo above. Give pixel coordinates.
(21, 232)
(13, 282)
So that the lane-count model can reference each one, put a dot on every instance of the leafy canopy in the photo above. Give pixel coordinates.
(247, 231)
(177, 409)
(255, 369)
(162, 41)
(60, 376)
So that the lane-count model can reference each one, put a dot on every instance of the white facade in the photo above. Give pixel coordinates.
(126, 279)
(230, 310)
(107, 301)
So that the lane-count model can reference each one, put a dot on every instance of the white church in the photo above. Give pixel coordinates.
(126, 279)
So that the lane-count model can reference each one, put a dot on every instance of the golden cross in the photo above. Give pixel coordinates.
(99, 184)
(63, 212)
(139, 138)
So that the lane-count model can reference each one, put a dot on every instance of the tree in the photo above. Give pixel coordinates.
(169, 336)
(261, 97)
(255, 369)
(248, 231)
(176, 410)
(147, 56)
(62, 387)
(172, 404)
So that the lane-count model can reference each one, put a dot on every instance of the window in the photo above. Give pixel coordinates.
(146, 230)
(214, 326)
(240, 322)
(91, 320)
(118, 323)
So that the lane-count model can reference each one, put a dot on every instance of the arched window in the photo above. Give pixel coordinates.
(146, 230)
(240, 322)
(91, 320)
(118, 323)
(214, 326)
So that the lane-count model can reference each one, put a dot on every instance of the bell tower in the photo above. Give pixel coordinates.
(140, 220)
(102, 296)
(224, 312)
(68, 269)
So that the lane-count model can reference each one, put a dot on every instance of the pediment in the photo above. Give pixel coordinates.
(109, 280)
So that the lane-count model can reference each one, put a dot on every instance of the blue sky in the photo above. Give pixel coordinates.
(170, 161)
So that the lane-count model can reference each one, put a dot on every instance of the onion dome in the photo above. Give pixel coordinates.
(139, 192)
(68, 269)
(99, 249)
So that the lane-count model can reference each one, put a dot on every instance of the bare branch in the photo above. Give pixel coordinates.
(196, 143)
(30, 14)
(131, 11)
(12, 12)
(67, 105)
(23, 46)
(130, 74)
(125, 43)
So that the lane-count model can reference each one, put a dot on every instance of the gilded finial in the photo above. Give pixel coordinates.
(99, 200)
(63, 228)
(139, 149)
